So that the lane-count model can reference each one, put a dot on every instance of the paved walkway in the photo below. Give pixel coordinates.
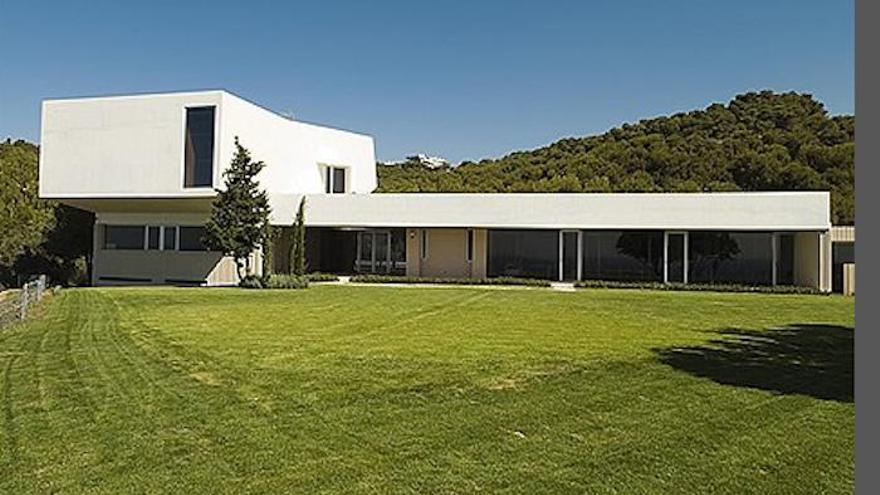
(346, 280)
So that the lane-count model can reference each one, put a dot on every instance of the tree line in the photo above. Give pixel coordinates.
(759, 141)
(37, 235)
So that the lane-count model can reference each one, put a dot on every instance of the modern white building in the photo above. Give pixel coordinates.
(148, 166)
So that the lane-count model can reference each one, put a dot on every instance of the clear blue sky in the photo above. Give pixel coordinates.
(460, 79)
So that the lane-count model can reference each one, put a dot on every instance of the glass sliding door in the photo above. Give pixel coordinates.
(626, 255)
(675, 251)
(737, 258)
(381, 251)
(523, 253)
(364, 262)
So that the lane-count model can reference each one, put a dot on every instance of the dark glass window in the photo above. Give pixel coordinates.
(423, 245)
(199, 147)
(675, 254)
(170, 240)
(623, 255)
(569, 255)
(338, 180)
(152, 237)
(841, 252)
(730, 257)
(398, 250)
(785, 259)
(470, 245)
(123, 237)
(524, 253)
(191, 239)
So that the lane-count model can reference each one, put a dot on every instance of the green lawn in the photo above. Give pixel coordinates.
(450, 390)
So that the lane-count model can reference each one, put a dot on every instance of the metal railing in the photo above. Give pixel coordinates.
(16, 305)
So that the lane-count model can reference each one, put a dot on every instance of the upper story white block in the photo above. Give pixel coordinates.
(133, 147)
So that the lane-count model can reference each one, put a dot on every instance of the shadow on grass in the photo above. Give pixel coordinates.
(814, 360)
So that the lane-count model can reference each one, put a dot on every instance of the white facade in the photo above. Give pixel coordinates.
(124, 158)
(133, 147)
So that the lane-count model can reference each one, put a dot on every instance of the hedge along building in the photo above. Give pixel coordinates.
(148, 166)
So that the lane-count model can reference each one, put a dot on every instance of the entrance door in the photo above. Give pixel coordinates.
(569, 255)
(374, 253)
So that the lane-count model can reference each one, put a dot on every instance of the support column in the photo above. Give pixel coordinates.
(580, 255)
(560, 254)
(686, 240)
(774, 243)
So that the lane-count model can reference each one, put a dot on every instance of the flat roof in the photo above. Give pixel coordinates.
(779, 211)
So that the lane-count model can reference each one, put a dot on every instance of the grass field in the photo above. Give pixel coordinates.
(447, 390)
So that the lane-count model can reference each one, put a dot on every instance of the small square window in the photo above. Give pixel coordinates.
(335, 180)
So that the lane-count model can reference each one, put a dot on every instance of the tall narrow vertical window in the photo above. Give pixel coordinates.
(338, 180)
(423, 245)
(470, 245)
(199, 147)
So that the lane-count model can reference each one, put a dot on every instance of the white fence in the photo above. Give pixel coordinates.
(16, 305)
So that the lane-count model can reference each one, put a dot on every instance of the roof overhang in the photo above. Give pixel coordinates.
(738, 211)
(198, 204)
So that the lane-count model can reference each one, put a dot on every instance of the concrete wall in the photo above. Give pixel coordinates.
(119, 146)
(812, 260)
(132, 146)
(447, 254)
(128, 267)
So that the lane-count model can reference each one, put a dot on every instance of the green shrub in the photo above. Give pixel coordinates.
(765, 289)
(286, 282)
(251, 282)
(322, 277)
(398, 279)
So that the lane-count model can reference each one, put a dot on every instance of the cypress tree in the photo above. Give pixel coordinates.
(239, 221)
(298, 249)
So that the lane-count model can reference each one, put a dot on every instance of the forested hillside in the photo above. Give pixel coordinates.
(758, 142)
(36, 235)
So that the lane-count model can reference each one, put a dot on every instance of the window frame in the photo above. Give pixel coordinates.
(328, 174)
(215, 146)
(120, 225)
(469, 246)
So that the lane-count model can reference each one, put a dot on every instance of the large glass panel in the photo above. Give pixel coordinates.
(730, 257)
(398, 251)
(623, 255)
(675, 254)
(569, 255)
(785, 259)
(199, 147)
(524, 253)
(123, 237)
(365, 252)
(191, 239)
(380, 240)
